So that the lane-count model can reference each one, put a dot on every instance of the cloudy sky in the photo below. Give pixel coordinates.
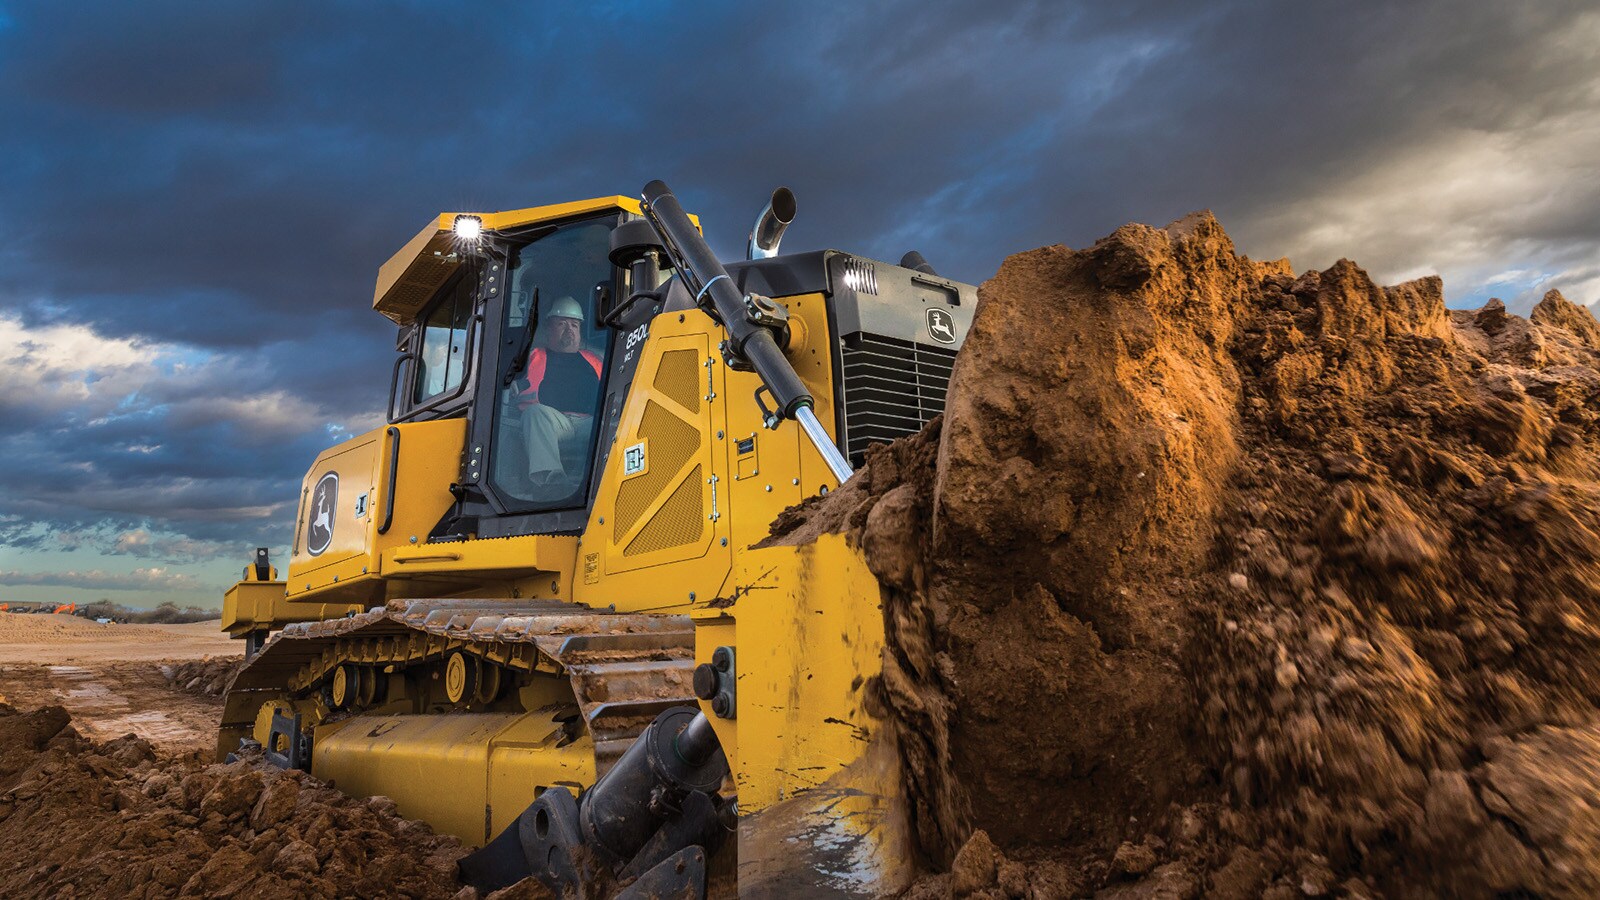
(199, 195)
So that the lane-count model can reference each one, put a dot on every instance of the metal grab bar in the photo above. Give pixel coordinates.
(394, 382)
(394, 476)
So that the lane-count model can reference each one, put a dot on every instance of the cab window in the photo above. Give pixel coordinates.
(553, 367)
(441, 360)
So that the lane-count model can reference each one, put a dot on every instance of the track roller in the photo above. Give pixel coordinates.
(367, 685)
(489, 680)
(342, 688)
(353, 687)
(461, 677)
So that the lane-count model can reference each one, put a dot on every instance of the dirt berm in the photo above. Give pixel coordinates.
(1218, 580)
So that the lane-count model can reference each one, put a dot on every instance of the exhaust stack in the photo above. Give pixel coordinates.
(765, 237)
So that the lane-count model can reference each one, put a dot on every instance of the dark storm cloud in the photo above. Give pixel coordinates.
(221, 181)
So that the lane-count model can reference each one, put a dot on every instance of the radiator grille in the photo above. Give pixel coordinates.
(891, 389)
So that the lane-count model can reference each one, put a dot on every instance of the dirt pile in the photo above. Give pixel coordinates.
(116, 820)
(1219, 580)
(208, 676)
(1400, 672)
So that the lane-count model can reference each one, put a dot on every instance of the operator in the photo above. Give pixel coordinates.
(558, 403)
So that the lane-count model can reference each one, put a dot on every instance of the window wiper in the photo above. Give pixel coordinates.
(519, 362)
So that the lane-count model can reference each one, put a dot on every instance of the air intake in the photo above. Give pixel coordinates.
(891, 389)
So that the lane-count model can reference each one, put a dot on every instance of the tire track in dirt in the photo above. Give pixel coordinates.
(112, 700)
(105, 714)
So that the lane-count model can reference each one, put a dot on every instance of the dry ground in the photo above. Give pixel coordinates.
(109, 677)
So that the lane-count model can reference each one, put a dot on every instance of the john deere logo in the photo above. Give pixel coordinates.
(324, 501)
(941, 325)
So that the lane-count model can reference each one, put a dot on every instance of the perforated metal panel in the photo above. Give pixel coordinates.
(672, 442)
(679, 378)
(679, 521)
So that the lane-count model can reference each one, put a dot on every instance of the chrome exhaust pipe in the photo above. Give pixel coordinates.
(765, 237)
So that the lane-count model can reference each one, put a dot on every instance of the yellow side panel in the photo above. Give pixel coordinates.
(662, 508)
(667, 521)
(813, 360)
(347, 521)
(334, 516)
(781, 468)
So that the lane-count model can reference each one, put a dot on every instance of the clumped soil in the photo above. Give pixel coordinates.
(208, 676)
(1218, 580)
(117, 820)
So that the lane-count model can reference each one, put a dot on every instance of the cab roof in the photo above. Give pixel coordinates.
(412, 276)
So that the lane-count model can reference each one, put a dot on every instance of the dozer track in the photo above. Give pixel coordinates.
(622, 669)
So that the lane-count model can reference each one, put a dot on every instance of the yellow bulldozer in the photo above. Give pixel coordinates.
(535, 609)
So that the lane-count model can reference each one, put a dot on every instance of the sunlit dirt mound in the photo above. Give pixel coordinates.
(1219, 580)
(114, 820)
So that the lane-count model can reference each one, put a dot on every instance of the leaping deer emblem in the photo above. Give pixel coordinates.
(326, 499)
(321, 521)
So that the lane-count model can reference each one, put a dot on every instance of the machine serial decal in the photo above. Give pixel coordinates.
(634, 338)
(637, 335)
(324, 504)
(941, 325)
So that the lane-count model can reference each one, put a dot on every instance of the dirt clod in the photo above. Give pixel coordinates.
(1133, 859)
(976, 867)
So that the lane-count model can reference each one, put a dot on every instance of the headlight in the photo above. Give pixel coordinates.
(468, 228)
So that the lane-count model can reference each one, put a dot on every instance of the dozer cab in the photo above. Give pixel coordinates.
(531, 609)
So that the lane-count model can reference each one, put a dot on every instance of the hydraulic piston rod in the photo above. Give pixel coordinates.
(824, 444)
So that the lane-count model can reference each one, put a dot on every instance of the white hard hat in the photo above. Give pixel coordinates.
(564, 308)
